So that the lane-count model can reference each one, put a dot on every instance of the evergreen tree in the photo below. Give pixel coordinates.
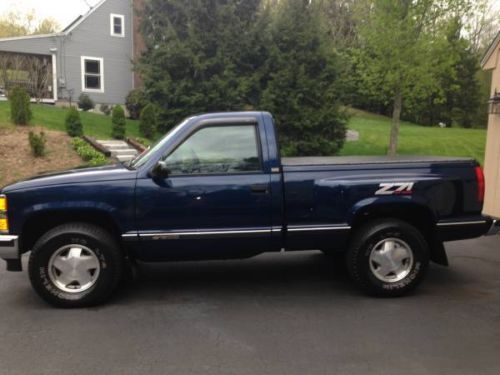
(147, 123)
(73, 123)
(118, 122)
(301, 91)
(202, 56)
(20, 107)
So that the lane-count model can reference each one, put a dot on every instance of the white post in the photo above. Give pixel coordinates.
(54, 76)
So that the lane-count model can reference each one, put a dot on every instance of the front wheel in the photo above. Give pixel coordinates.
(388, 258)
(75, 265)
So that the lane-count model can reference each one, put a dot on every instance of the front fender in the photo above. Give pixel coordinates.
(114, 198)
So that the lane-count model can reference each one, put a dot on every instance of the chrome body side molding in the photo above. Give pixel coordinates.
(224, 233)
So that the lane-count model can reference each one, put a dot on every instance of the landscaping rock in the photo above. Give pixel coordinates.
(352, 136)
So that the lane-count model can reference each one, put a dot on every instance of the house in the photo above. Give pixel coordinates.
(491, 61)
(92, 55)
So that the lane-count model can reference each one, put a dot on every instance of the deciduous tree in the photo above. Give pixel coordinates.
(402, 41)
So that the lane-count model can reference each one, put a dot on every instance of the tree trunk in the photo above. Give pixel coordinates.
(396, 116)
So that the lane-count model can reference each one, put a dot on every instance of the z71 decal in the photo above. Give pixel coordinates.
(395, 188)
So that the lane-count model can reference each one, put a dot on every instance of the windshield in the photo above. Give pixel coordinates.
(146, 155)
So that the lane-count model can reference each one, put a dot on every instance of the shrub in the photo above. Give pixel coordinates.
(20, 110)
(73, 123)
(147, 124)
(118, 123)
(85, 103)
(91, 156)
(37, 143)
(135, 102)
(106, 109)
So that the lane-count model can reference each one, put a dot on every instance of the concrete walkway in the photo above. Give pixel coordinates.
(120, 150)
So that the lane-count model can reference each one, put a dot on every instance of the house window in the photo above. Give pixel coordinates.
(117, 25)
(92, 74)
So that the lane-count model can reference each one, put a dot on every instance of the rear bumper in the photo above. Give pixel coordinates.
(494, 229)
(463, 228)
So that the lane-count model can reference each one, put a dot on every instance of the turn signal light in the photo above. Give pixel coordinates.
(4, 225)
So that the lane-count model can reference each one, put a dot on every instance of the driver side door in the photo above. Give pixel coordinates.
(215, 201)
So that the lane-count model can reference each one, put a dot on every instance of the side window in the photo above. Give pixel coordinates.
(92, 74)
(217, 150)
(117, 22)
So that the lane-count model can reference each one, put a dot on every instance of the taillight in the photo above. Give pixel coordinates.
(480, 184)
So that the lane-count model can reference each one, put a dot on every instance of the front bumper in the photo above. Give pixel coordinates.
(494, 229)
(9, 251)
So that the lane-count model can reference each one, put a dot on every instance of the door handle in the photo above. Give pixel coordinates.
(259, 188)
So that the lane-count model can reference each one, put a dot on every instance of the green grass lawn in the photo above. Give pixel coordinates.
(373, 130)
(50, 117)
(413, 139)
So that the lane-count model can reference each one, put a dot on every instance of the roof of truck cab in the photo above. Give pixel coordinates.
(346, 160)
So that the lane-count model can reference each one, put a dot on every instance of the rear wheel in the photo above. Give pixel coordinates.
(388, 257)
(75, 265)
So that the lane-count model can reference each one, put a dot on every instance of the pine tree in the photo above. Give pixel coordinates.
(147, 123)
(73, 123)
(202, 56)
(302, 75)
(118, 122)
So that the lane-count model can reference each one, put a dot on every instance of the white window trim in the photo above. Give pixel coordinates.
(101, 62)
(112, 24)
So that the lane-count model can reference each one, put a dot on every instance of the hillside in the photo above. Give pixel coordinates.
(373, 130)
(50, 117)
(414, 139)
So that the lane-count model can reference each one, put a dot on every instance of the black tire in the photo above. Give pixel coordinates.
(367, 238)
(103, 246)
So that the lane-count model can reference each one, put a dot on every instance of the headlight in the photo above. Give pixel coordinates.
(4, 222)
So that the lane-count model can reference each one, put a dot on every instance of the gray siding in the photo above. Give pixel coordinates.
(39, 45)
(91, 38)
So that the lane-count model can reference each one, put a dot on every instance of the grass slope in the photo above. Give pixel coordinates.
(414, 139)
(51, 117)
(373, 130)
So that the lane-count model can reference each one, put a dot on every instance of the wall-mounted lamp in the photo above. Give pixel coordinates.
(494, 104)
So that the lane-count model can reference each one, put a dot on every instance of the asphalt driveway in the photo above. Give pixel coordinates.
(274, 314)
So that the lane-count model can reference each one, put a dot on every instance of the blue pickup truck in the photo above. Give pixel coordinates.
(215, 187)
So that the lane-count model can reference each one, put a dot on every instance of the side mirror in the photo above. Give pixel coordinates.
(160, 170)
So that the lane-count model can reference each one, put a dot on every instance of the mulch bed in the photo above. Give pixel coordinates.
(17, 161)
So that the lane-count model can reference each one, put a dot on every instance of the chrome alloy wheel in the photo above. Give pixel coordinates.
(391, 260)
(74, 268)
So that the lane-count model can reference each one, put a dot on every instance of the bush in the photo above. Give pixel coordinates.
(118, 123)
(147, 124)
(85, 103)
(37, 143)
(73, 123)
(135, 102)
(20, 110)
(106, 109)
(90, 155)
